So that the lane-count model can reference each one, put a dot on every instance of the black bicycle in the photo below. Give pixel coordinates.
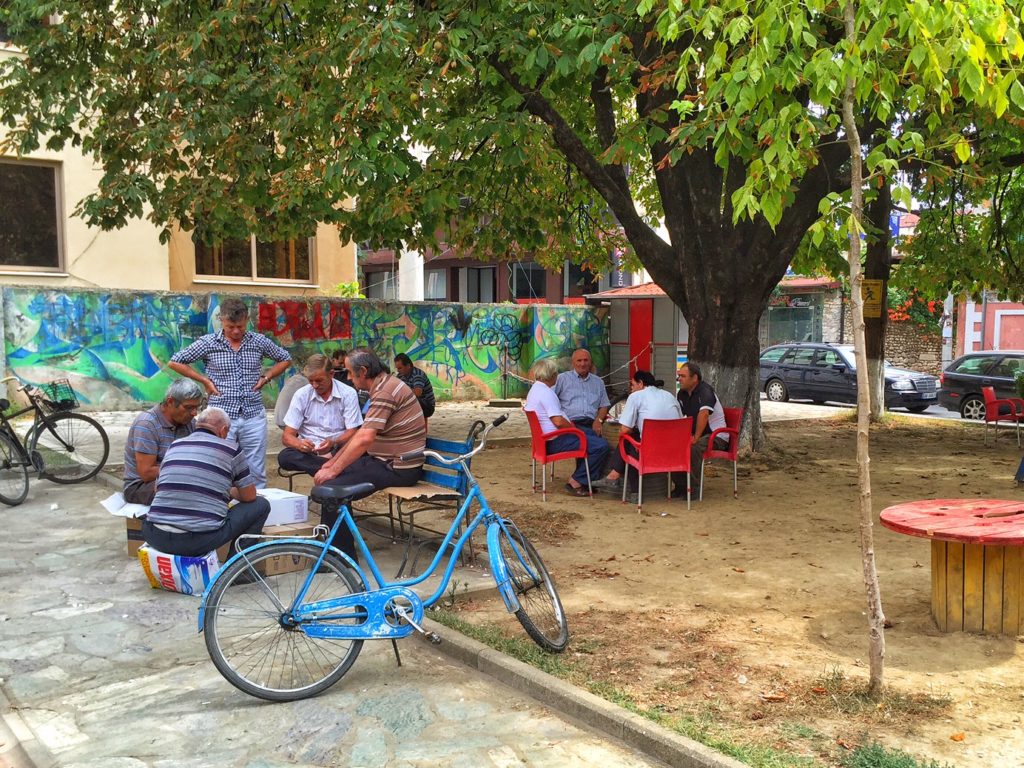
(61, 446)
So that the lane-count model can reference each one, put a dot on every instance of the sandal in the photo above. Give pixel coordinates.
(572, 491)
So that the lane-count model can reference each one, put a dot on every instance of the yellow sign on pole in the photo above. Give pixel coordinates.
(871, 292)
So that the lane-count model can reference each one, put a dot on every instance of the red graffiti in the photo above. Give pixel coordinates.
(340, 321)
(305, 321)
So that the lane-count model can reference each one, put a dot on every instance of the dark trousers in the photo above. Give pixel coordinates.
(294, 459)
(597, 451)
(365, 469)
(1020, 472)
(245, 517)
(617, 464)
(697, 449)
(138, 492)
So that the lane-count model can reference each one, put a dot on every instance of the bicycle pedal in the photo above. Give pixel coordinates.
(404, 615)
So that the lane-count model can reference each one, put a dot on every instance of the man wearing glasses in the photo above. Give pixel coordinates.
(152, 433)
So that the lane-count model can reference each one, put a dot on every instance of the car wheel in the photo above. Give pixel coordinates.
(917, 408)
(973, 407)
(776, 391)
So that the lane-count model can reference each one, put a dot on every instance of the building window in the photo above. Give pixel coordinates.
(435, 285)
(579, 281)
(254, 260)
(480, 284)
(30, 216)
(381, 285)
(528, 281)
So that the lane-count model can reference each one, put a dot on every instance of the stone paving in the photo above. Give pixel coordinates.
(102, 671)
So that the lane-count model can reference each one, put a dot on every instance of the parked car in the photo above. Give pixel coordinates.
(821, 372)
(961, 383)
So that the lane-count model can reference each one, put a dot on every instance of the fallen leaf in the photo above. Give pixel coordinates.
(819, 690)
(844, 744)
(739, 570)
(772, 696)
(957, 736)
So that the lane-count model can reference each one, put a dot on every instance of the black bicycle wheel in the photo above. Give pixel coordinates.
(13, 472)
(70, 447)
(251, 642)
(540, 611)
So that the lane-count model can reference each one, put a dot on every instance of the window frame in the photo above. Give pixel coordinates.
(56, 169)
(254, 277)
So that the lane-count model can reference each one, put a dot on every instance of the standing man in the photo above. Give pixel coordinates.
(699, 401)
(233, 359)
(200, 474)
(322, 416)
(152, 433)
(585, 403)
(418, 383)
(392, 428)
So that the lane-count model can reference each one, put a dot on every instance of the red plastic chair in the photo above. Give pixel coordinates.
(664, 447)
(733, 421)
(1008, 409)
(540, 452)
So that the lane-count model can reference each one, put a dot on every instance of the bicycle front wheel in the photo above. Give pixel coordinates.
(249, 638)
(540, 611)
(69, 447)
(13, 472)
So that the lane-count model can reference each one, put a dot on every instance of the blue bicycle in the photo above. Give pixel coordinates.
(292, 635)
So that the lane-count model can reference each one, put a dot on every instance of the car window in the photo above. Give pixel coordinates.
(801, 356)
(827, 357)
(773, 354)
(975, 365)
(1008, 367)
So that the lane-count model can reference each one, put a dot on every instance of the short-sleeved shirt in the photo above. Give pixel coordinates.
(234, 373)
(703, 398)
(418, 379)
(316, 419)
(542, 400)
(150, 434)
(396, 415)
(649, 403)
(192, 491)
(580, 396)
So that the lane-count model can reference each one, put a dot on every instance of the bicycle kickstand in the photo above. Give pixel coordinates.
(404, 615)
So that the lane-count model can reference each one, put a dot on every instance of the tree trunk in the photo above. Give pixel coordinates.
(877, 265)
(876, 618)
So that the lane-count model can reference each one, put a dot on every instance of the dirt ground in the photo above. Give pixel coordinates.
(748, 615)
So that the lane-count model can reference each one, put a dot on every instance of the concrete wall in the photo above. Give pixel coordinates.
(114, 346)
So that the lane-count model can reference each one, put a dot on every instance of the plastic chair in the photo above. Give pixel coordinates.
(665, 447)
(539, 441)
(1006, 409)
(733, 421)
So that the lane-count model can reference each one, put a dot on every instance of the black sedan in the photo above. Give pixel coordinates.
(827, 372)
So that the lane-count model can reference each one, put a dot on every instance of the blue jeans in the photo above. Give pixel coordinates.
(597, 452)
(251, 436)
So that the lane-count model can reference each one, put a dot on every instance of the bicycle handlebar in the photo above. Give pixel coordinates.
(462, 457)
(22, 388)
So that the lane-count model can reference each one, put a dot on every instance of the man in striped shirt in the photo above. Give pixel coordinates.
(199, 475)
(393, 426)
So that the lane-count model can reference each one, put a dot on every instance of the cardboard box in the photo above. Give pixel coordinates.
(174, 573)
(133, 526)
(286, 507)
(278, 565)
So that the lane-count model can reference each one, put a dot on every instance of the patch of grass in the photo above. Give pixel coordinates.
(799, 731)
(876, 756)
(849, 698)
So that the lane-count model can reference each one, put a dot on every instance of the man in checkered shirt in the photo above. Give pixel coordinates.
(233, 360)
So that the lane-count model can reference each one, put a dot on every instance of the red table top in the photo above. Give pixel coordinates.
(972, 521)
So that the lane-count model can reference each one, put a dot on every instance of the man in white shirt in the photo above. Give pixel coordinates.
(322, 416)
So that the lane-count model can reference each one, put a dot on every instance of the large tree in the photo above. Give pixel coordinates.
(550, 127)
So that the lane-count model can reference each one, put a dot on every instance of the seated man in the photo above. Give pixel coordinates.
(393, 427)
(322, 416)
(418, 383)
(584, 401)
(646, 401)
(699, 401)
(199, 475)
(152, 433)
(543, 401)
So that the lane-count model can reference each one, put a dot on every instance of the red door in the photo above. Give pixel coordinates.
(641, 334)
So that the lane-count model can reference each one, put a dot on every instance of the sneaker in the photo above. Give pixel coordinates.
(606, 484)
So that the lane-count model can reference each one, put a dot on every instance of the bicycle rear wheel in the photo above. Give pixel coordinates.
(252, 644)
(540, 611)
(13, 472)
(70, 447)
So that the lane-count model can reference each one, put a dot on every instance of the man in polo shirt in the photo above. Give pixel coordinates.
(199, 475)
(584, 402)
(152, 433)
(418, 383)
(321, 418)
(233, 379)
(393, 426)
(699, 401)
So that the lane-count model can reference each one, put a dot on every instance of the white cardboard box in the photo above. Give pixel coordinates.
(285, 507)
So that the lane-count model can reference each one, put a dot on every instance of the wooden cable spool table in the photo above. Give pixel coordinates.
(977, 560)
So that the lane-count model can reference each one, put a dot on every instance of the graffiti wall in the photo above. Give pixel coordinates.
(114, 346)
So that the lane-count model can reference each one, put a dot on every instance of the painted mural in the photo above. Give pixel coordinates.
(114, 346)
